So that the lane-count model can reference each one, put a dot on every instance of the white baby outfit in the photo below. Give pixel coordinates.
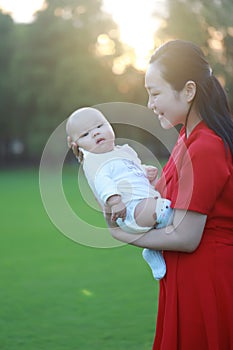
(120, 172)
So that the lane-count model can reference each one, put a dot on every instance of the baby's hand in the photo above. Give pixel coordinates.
(117, 207)
(151, 174)
(118, 211)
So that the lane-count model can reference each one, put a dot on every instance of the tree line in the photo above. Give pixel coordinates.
(66, 59)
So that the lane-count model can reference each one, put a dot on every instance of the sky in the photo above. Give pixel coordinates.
(134, 18)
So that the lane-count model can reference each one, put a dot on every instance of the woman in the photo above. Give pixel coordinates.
(195, 301)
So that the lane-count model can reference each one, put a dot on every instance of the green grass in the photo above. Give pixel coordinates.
(56, 294)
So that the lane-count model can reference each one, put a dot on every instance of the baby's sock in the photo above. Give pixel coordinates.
(156, 261)
(164, 213)
(154, 258)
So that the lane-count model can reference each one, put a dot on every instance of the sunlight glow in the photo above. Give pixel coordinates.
(23, 10)
(137, 26)
(105, 45)
(120, 63)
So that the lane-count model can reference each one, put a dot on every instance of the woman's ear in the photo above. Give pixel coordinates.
(190, 90)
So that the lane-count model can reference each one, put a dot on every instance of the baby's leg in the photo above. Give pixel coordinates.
(155, 260)
(153, 212)
(145, 212)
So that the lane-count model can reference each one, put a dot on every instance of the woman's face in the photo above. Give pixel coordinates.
(170, 106)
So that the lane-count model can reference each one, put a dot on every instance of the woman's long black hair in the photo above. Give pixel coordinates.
(182, 61)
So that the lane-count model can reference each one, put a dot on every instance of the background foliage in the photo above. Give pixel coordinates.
(59, 63)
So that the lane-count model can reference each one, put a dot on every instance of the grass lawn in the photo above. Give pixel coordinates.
(60, 295)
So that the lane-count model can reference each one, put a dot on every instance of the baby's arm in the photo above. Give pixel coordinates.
(117, 207)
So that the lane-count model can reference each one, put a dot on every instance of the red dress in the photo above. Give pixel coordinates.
(196, 296)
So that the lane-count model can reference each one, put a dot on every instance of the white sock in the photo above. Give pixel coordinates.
(163, 212)
(156, 261)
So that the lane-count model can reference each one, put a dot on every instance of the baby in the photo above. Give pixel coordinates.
(119, 180)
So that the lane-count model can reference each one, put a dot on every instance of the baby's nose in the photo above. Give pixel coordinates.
(95, 132)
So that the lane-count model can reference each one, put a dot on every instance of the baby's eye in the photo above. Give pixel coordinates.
(99, 126)
(85, 134)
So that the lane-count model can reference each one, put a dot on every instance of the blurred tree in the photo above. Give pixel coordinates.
(210, 25)
(64, 62)
(71, 56)
(7, 47)
(58, 68)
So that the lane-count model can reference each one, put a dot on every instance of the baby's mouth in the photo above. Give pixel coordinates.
(100, 140)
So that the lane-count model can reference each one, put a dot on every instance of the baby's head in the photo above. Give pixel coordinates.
(90, 130)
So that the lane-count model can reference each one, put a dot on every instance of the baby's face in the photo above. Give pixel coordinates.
(92, 132)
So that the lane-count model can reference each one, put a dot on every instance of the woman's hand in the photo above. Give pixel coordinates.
(151, 174)
(72, 145)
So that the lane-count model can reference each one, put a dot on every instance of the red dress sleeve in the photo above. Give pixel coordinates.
(203, 173)
(196, 172)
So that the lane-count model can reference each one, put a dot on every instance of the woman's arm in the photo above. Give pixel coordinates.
(183, 235)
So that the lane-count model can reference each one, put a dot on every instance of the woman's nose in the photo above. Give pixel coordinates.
(149, 104)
